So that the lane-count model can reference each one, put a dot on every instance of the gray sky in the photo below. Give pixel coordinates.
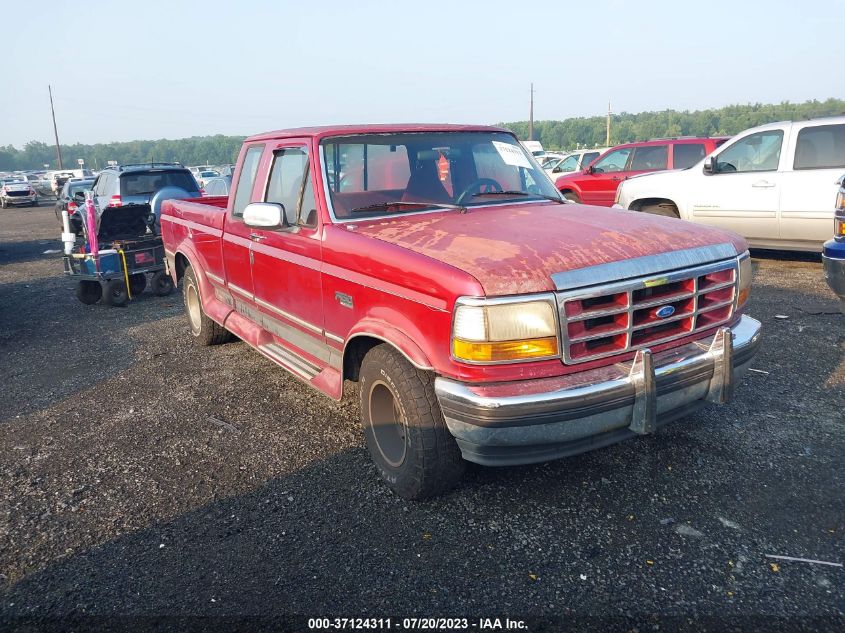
(151, 69)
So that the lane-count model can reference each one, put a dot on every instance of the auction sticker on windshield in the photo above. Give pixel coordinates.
(511, 154)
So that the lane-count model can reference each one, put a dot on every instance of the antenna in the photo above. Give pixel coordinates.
(607, 138)
(55, 129)
(531, 115)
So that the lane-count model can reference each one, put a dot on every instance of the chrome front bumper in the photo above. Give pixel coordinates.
(524, 422)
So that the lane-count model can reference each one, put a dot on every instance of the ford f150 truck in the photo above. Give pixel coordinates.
(483, 317)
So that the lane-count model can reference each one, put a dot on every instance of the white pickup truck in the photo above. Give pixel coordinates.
(772, 184)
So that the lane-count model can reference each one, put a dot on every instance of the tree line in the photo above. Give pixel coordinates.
(197, 150)
(627, 127)
(566, 134)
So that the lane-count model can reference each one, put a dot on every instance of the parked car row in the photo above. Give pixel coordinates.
(772, 184)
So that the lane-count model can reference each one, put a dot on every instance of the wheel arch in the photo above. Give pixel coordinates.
(362, 341)
(639, 203)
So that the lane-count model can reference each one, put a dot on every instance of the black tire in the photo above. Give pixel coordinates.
(412, 448)
(161, 283)
(668, 210)
(203, 329)
(572, 196)
(114, 293)
(89, 292)
(137, 283)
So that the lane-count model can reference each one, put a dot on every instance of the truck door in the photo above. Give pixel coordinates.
(599, 185)
(236, 238)
(816, 160)
(286, 260)
(742, 193)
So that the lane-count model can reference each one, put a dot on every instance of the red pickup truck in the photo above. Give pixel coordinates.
(483, 317)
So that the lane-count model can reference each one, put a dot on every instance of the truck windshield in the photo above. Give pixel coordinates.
(386, 174)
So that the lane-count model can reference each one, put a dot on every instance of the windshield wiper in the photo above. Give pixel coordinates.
(520, 193)
(383, 206)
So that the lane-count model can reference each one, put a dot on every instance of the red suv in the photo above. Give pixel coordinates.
(597, 183)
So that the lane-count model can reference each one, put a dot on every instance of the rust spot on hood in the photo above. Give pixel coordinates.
(516, 249)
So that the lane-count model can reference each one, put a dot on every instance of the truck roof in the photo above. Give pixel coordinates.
(324, 131)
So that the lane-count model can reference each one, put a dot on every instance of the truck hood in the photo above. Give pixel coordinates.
(515, 249)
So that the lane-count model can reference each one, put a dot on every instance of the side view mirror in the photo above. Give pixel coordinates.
(709, 165)
(556, 170)
(590, 170)
(265, 215)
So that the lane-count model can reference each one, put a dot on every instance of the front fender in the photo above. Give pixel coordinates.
(394, 335)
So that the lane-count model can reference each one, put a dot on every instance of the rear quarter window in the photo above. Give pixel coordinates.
(820, 147)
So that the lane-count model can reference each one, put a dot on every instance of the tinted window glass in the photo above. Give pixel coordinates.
(614, 161)
(148, 182)
(74, 187)
(650, 157)
(286, 175)
(756, 152)
(820, 147)
(687, 155)
(588, 158)
(243, 195)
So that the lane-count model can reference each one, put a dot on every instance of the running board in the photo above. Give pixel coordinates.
(290, 361)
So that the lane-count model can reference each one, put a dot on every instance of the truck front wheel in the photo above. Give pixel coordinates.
(204, 330)
(404, 429)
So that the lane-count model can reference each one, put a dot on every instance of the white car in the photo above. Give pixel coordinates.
(573, 161)
(772, 184)
(17, 192)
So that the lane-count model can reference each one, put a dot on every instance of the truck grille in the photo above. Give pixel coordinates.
(616, 318)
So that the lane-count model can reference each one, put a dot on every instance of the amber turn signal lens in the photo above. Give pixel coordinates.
(505, 350)
(839, 227)
(743, 297)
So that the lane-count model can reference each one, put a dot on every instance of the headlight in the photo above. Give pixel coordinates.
(505, 330)
(840, 199)
(744, 285)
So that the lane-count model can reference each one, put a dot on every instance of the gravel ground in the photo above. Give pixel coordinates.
(142, 476)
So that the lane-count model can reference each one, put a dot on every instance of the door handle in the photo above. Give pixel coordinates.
(256, 237)
(763, 184)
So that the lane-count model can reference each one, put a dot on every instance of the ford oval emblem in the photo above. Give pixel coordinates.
(665, 312)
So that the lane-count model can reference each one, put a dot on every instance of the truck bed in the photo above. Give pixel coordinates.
(209, 211)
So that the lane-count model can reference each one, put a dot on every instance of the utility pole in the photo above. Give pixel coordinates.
(531, 115)
(607, 138)
(55, 129)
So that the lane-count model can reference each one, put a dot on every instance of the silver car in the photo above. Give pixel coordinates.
(16, 192)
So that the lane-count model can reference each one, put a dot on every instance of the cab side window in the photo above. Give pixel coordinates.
(756, 152)
(243, 195)
(290, 185)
